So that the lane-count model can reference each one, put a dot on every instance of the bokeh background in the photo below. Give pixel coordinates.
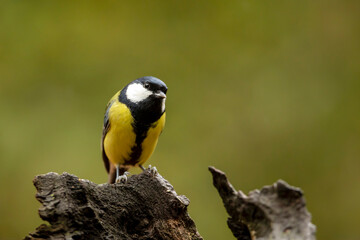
(262, 90)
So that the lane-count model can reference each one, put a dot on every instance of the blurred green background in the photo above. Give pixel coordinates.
(260, 89)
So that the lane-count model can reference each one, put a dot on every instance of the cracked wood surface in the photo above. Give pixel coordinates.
(145, 207)
(274, 212)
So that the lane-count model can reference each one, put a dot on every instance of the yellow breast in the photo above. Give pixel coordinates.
(120, 138)
(149, 143)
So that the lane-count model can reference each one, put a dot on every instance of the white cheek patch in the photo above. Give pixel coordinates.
(136, 92)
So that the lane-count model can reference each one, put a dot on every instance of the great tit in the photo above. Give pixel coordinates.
(133, 122)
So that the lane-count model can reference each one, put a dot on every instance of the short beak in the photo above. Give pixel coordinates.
(160, 94)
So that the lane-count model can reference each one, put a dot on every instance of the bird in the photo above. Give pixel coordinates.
(134, 119)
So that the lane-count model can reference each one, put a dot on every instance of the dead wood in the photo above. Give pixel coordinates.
(274, 212)
(145, 207)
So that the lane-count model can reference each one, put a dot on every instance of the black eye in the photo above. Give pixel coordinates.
(147, 85)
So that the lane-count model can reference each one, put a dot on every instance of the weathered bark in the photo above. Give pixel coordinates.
(145, 207)
(275, 212)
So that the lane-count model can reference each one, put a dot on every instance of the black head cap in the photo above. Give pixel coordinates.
(152, 83)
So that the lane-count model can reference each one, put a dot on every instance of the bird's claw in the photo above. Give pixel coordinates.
(122, 178)
(153, 171)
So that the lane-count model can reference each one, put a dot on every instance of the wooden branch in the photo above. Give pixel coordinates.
(145, 207)
(275, 212)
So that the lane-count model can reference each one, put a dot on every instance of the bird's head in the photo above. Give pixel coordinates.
(147, 93)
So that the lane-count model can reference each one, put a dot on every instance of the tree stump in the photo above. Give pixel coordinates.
(274, 212)
(145, 207)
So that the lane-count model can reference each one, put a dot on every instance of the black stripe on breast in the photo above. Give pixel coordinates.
(141, 131)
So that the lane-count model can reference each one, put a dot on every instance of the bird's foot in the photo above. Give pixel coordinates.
(122, 178)
(153, 171)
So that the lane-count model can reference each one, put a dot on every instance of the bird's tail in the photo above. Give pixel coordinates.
(112, 173)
